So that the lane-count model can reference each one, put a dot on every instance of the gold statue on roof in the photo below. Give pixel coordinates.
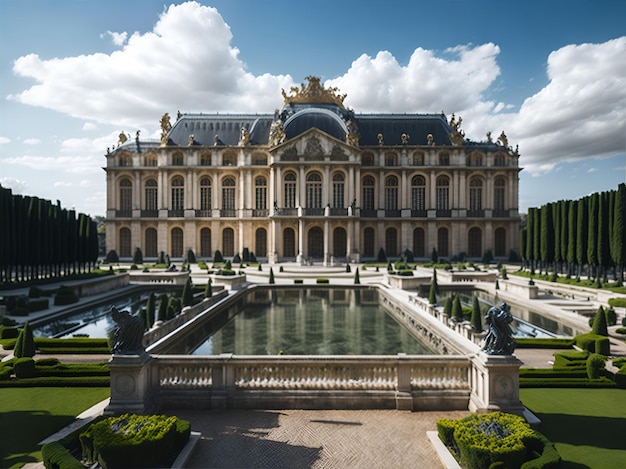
(504, 140)
(457, 136)
(166, 126)
(313, 92)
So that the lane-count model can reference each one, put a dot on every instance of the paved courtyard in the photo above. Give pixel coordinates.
(314, 438)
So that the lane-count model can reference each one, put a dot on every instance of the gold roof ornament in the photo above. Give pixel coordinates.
(166, 126)
(457, 136)
(313, 92)
(504, 140)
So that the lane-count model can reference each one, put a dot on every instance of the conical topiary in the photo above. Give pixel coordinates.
(457, 310)
(476, 320)
(162, 311)
(357, 280)
(435, 281)
(25, 344)
(208, 291)
(150, 310)
(432, 294)
(271, 275)
(447, 307)
(599, 323)
(187, 296)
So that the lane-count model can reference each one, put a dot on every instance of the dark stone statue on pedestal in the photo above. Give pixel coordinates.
(129, 333)
(499, 339)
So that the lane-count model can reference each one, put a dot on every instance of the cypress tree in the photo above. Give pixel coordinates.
(547, 236)
(581, 234)
(592, 236)
(522, 245)
(604, 254)
(476, 320)
(556, 220)
(599, 323)
(138, 256)
(187, 296)
(447, 306)
(357, 280)
(563, 241)
(208, 291)
(457, 310)
(619, 232)
(432, 294)
(271, 276)
(571, 235)
(162, 311)
(530, 228)
(435, 281)
(537, 238)
(25, 343)
(150, 310)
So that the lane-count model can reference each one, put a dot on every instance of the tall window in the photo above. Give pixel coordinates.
(499, 194)
(229, 159)
(391, 159)
(367, 159)
(151, 242)
(205, 159)
(499, 160)
(178, 193)
(260, 193)
(368, 189)
(260, 242)
(339, 242)
(418, 193)
(177, 159)
(419, 245)
(368, 242)
(259, 159)
(205, 194)
(152, 192)
(290, 190)
(150, 160)
(418, 158)
(228, 242)
(126, 195)
(444, 159)
(124, 160)
(205, 242)
(391, 193)
(500, 242)
(476, 195)
(338, 190)
(177, 242)
(228, 196)
(442, 242)
(314, 191)
(391, 242)
(474, 242)
(443, 193)
(289, 242)
(124, 242)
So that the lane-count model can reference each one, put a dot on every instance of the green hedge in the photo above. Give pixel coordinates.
(566, 383)
(570, 358)
(37, 305)
(134, 441)
(593, 343)
(322, 280)
(617, 302)
(57, 382)
(57, 456)
(544, 342)
(24, 368)
(9, 332)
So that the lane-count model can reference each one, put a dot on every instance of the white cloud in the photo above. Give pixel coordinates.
(32, 141)
(16, 185)
(89, 126)
(4, 140)
(62, 184)
(68, 164)
(118, 38)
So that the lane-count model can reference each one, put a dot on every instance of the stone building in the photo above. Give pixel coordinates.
(312, 182)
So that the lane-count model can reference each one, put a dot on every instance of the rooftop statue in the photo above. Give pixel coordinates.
(457, 136)
(314, 92)
(122, 139)
(277, 133)
(166, 126)
(128, 336)
(499, 339)
(503, 139)
(352, 137)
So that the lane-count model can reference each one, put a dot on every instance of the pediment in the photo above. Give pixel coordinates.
(313, 145)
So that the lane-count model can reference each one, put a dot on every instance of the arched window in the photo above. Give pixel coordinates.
(124, 160)
(418, 196)
(259, 159)
(228, 197)
(444, 159)
(476, 196)
(124, 242)
(367, 159)
(419, 244)
(418, 158)
(178, 159)
(205, 243)
(339, 243)
(289, 242)
(126, 197)
(177, 242)
(499, 160)
(260, 196)
(443, 195)
(205, 195)
(260, 245)
(499, 196)
(229, 159)
(500, 242)
(338, 190)
(391, 197)
(178, 194)
(391, 159)
(474, 242)
(290, 190)
(150, 160)
(314, 190)
(368, 242)
(151, 242)
(368, 188)
(391, 242)
(205, 158)
(442, 242)
(228, 242)
(475, 159)
(151, 196)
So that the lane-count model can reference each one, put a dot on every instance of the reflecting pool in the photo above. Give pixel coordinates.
(313, 321)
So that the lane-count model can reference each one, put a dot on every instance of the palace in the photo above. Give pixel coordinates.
(314, 182)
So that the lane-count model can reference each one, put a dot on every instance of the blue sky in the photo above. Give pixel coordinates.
(74, 74)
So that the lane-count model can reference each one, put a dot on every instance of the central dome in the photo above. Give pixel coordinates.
(315, 117)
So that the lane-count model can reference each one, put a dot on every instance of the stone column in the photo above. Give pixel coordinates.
(130, 384)
(495, 384)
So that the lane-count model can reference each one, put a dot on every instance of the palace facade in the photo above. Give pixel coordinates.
(312, 182)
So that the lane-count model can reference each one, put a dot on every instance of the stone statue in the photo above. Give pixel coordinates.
(430, 139)
(381, 139)
(277, 133)
(503, 139)
(245, 136)
(128, 336)
(191, 139)
(352, 137)
(405, 138)
(166, 126)
(499, 339)
(122, 139)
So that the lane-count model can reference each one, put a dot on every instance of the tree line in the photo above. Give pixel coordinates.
(39, 239)
(577, 236)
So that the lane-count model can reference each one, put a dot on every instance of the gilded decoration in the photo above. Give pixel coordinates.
(277, 133)
(352, 137)
(122, 139)
(503, 140)
(313, 92)
(166, 126)
(313, 150)
(457, 136)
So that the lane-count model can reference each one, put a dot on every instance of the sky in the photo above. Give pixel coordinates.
(76, 73)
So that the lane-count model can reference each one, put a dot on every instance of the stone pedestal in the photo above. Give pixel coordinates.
(130, 384)
(495, 384)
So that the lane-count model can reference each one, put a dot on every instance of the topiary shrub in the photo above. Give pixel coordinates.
(65, 296)
(9, 332)
(138, 256)
(357, 279)
(55, 455)
(595, 364)
(24, 367)
(271, 279)
(217, 257)
(322, 280)
(25, 344)
(191, 257)
(112, 257)
(599, 325)
(611, 316)
(245, 255)
(382, 257)
(297, 280)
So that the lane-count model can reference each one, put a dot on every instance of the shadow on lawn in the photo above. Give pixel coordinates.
(22, 430)
(601, 432)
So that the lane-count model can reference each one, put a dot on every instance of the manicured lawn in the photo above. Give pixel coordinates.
(587, 425)
(29, 415)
